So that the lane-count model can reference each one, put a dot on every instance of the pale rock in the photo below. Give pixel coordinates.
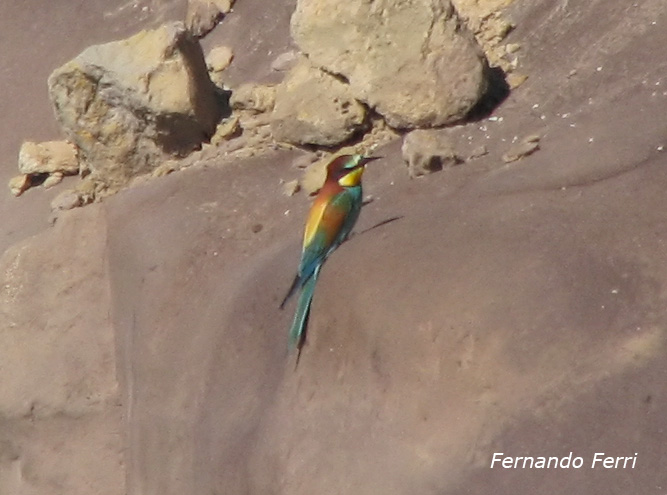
(52, 180)
(492, 29)
(227, 129)
(527, 146)
(225, 6)
(19, 184)
(285, 61)
(512, 47)
(485, 20)
(48, 157)
(219, 58)
(203, 15)
(255, 97)
(313, 107)
(427, 151)
(127, 105)
(291, 187)
(412, 61)
(516, 79)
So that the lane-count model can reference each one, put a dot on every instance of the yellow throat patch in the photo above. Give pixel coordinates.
(353, 178)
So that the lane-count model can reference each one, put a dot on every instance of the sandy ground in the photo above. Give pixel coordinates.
(514, 308)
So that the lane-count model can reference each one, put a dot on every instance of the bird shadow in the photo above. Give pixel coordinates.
(378, 225)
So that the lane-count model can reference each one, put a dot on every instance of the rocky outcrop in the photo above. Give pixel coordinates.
(413, 62)
(313, 107)
(128, 104)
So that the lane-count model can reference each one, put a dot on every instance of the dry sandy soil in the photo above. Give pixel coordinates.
(515, 308)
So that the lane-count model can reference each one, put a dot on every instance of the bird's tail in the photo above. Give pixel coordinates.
(297, 333)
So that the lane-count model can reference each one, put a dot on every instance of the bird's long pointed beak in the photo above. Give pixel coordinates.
(353, 176)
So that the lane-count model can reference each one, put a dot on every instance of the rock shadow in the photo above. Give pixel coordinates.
(496, 93)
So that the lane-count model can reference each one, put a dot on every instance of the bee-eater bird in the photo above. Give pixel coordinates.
(332, 216)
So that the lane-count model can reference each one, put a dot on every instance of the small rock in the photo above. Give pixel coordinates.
(256, 97)
(291, 188)
(257, 228)
(494, 28)
(52, 180)
(516, 79)
(66, 200)
(428, 151)
(48, 157)
(285, 61)
(19, 184)
(203, 15)
(512, 47)
(525, 147)
(478, 152)
(226, 130)
(219, 58)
